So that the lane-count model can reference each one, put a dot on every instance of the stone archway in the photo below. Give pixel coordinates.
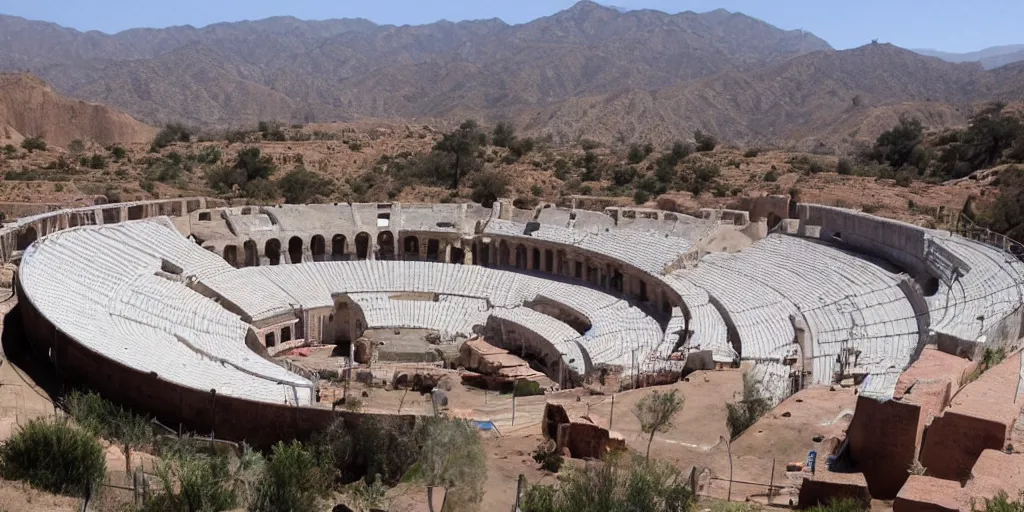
(536, 258)
(273, 251)
(295, 249)
(433, 250)
(338, 247)
(231, 255)
(385, 245)
(362, 246)
(504, 254)
(521, 259)
(412, 247)
(252, 257)
(26, 237)
(318, 248)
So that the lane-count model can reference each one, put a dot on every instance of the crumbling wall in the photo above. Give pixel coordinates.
(954, 441)
(826, 487)
(882, 437)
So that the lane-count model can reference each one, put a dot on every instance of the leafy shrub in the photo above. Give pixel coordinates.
(452, 458)
(504, 135)
(771, 176)
(741, 416)
(705, 141)
(624, 176)
(751, 153)
(622, 483)
(294, 479)
(300, 185)
(31, 144)
(840, 505)
(193, 481)
(375, 448)
(170, 134)
(209, 155)
(527, 388)
(9, 149)
(589, 144)
(1002, 503)
(105, 419)
(525, 203)
(641, 196)
(117, 152)
(53, 455)
(636, 154)
(355, 146)
(97, 162)
(76, 146)
(549, 456)
(272, 131)
(844, 167)
(536, 190)
(488, 187)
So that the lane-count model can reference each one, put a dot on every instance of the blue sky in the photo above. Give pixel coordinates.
(948, 25)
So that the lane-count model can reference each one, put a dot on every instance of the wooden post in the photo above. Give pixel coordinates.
(402, 401)
(513, 405)
(611, 415)
(771, 483)
(519, 491)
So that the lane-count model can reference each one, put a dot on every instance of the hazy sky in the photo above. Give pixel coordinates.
(948, 25)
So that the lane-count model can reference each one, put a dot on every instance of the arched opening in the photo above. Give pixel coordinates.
(536, 258)
(318, 247)
(616, 281)
(295, 249)
(458, 256)
(270, 340)
(362, 246)
(504, 254)
(273, 251)
(549, 260)
(773, 220)
(562, 262)
(385, 245)
(286, 334)
(485, 255)
(412, 247)
(338, 247)
(231, 255)
(475, 252)
(252, 257)
(521, 256)
(26, 237)
(433, 250)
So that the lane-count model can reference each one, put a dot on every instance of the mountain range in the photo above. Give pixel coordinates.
(990, 58)
(589, 71)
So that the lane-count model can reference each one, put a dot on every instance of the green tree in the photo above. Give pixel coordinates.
(741, 416)
(10, 150)
(452, 458)
(705, 141)
(488, 187)
(655, 413)
(254, 164)
(97, 161)
(641, 197)
(55, 456)
(294, 480)
(105, 419)
(300, 185)
(118, 152)
(170, 134)
(504, 135)
(591, 172)
(31, 144)
(76, 147)
(635, 154)
(463, 144)
(194, 482)
(894, 147)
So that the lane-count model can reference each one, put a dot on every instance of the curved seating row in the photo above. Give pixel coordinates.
(110, 298)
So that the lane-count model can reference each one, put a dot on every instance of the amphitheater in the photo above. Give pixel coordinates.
(178, 304)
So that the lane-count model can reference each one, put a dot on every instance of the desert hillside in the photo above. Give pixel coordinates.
(30, 108)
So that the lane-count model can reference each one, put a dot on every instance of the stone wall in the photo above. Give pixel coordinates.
(980, 417)
(882, 438)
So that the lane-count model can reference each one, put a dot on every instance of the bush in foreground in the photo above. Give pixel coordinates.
(620, 484)
(55, 456)
(294, 479)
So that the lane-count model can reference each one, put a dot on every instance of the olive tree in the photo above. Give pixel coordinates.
(655, 413)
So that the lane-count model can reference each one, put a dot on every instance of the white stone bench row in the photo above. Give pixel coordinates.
(109, 298)
(991, 286)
